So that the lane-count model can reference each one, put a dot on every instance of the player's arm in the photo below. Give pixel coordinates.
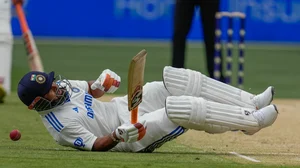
(107, 82)
(125, 133)
(75, 136)
(106, 143)
(95, 93)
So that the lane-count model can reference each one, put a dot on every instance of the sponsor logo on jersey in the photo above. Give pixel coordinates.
(79, 142)
(88, 102)
(75, 89)
(75, 109)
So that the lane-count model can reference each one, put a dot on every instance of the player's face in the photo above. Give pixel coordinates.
(57, 95)
(52, 94)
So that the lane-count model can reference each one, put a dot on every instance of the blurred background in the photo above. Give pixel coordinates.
(78, 39)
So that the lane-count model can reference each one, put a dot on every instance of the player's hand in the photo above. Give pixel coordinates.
(108, 81)
(131, 132)
(18, 1)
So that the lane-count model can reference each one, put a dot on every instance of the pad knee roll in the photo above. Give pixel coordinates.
(186, 111)
(180, 81)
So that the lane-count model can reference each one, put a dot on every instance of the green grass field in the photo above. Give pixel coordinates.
(265, 65)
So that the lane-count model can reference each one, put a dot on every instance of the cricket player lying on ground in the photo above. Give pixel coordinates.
(184, 100)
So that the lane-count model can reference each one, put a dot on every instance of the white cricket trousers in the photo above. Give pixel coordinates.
(6, 62)
(160, 129)
(6, 42)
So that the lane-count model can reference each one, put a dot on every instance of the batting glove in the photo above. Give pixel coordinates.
(131, 132)
(108, 81)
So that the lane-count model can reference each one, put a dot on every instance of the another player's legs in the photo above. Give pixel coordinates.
(2, 94)
(179, 81)
(212, 117)
(5, 68)
(6, 42)
(183, 17)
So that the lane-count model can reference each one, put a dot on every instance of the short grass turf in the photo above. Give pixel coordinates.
(265, 65)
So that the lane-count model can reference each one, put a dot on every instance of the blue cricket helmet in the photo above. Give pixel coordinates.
(34, 84)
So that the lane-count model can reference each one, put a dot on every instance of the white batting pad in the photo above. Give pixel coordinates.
(179, 81)
(200, 114)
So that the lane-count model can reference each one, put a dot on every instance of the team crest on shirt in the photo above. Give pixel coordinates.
(79, 142)
(75, 89)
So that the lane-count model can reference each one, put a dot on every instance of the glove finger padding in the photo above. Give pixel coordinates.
(115, 84)
(142, 133)
(108, 81)
(131, 132)
(99, 82)
(111, 82)
(133, 138)
(141, 129)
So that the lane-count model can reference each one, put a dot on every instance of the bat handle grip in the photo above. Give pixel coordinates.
(134, 114)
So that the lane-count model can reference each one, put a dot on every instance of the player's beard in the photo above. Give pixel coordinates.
(63, 94)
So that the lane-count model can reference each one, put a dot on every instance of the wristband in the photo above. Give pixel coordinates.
(113, 138)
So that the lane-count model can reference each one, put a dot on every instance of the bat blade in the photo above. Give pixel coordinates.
(135, 83)
(34, 58)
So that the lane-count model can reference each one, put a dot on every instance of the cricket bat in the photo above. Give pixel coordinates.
(34, 59)
(135, 83)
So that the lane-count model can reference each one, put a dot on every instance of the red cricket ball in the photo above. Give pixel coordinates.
(15, 135)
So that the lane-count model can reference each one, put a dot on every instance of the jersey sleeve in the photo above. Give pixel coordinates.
(76, 136)
(80, 84)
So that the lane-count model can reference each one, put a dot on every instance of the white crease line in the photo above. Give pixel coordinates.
(284, 154)
(245, 157)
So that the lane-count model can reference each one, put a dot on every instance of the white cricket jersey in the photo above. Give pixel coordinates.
(5, 20)
(81, 119)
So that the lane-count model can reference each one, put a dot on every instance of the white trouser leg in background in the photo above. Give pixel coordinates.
(179, 81)
(6, 64)
(6, 42)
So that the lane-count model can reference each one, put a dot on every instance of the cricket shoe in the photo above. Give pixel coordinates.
(265, 117)
(2, 94)
(265, 98)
